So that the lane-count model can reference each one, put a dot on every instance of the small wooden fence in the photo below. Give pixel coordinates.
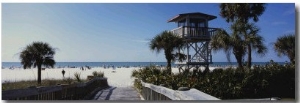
(59, 92)
(154, 92)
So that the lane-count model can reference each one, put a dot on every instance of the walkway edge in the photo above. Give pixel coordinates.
(141, 96)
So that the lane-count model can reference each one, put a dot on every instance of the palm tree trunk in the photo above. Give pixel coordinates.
(238, 56)
(249, 56)
(169, 66)
(239, 61)
(39, 73)
(292, 58)
(168, 55)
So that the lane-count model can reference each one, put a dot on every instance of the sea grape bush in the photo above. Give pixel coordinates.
(270, 80)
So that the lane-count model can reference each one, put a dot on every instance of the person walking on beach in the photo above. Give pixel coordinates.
(63, 73)
(114, 69)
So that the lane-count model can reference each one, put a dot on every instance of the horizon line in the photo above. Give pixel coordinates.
(146, 61)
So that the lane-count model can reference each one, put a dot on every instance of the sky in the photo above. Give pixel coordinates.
(118, 32)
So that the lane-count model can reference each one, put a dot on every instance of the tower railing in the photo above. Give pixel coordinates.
(194, 32)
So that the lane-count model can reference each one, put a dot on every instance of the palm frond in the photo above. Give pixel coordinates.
(35, 53)
(241, 11)
(168, 42)
(285, 45)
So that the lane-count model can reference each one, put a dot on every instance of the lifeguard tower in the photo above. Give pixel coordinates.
(193, 28)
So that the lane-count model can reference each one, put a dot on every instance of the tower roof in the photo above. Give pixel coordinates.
(195, 14)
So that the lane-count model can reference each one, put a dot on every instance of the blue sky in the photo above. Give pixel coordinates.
(103, 32)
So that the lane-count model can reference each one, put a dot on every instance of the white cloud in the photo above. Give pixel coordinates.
(289, 12)
(289, 32)
(279, 23)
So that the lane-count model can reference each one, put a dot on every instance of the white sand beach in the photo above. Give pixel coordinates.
(120, 78)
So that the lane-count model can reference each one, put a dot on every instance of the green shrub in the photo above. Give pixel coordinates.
(270, 80)
(151, 74)
(98, 74)
(137, 84)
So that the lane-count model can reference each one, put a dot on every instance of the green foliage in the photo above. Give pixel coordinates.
(36, 55)
(95, 73)
(168, 42)
(137, 84)
(240, 14)
(229, 43)
(77, 77)
(29, 83)
(285, 45)
(68, 80)
(270, 80)
(98, 74)
(152, 75)
(241, 11)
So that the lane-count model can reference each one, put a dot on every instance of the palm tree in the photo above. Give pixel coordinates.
(242, 12)
(229, 43)
(168, 42)
(285, 45)
(253, 41)
(36, 55)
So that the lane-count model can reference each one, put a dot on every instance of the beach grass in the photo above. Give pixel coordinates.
(30, 83)
(9, 85)
(77, 76)
(33, 83)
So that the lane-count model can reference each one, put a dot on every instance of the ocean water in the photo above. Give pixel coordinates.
(121, 64)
